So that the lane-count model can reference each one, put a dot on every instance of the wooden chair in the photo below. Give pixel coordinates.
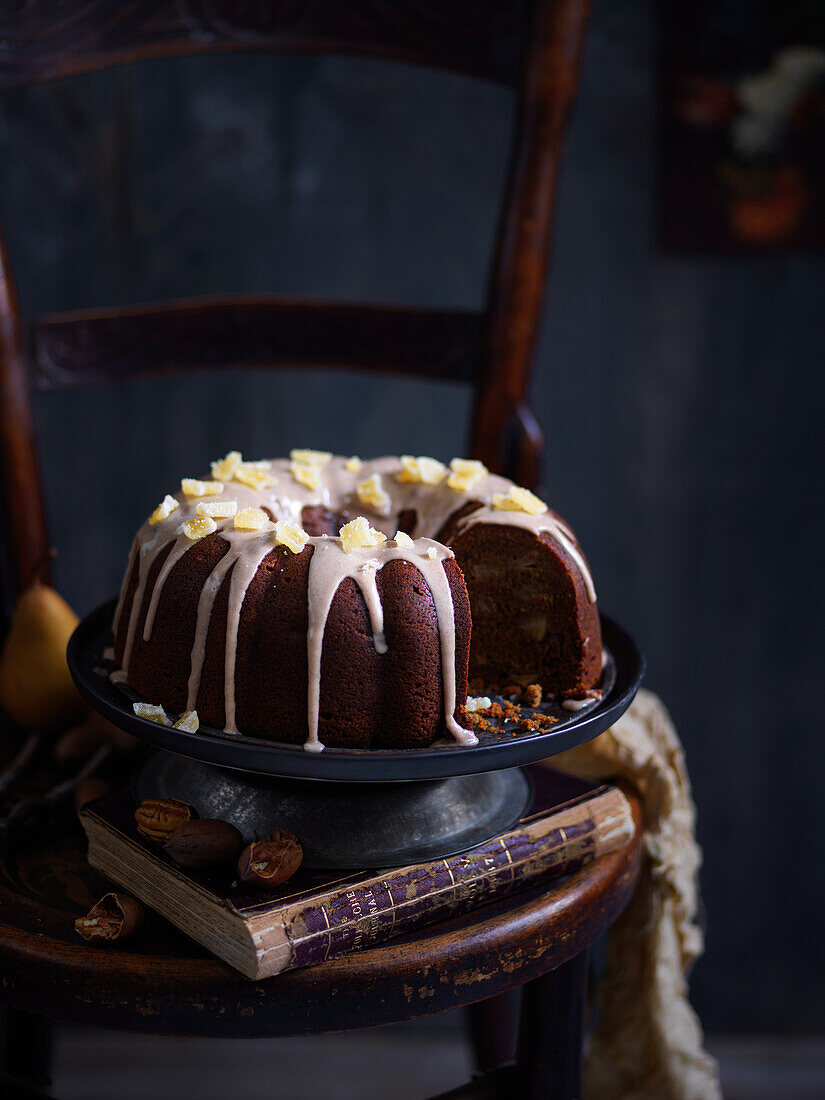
(534, 49)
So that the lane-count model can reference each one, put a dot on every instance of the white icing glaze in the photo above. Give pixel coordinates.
(285, 499)
(330, 565)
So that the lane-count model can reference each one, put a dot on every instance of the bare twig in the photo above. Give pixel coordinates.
(10, 775)
(35, 808)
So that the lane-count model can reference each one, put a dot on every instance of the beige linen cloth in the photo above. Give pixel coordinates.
(648, 1044)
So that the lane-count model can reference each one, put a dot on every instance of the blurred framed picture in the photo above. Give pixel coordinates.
(742, 125)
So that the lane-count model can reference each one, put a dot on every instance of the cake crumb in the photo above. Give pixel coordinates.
(531, 696)
(537, 722)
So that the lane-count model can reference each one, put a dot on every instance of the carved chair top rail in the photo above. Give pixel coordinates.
(531, 45)
(478, 38)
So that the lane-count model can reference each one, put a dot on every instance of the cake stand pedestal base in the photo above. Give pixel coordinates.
(347, 825)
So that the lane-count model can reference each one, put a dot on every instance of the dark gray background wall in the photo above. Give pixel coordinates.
(681, 396)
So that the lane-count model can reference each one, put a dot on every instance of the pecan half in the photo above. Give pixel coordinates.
(115, 917)
(272, 861)
(203, 843)
(157, 818)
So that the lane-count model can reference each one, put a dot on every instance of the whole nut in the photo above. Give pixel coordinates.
(203, 843)
(89, 790)
(78, 744)
(115, 917)
(157, 818)
(121, 741)
(272, 861)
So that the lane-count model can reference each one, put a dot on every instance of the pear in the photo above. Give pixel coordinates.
(36, 688)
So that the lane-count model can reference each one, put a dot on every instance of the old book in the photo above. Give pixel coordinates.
(318, 915)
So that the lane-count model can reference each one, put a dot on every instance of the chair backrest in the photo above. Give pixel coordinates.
(532, 46)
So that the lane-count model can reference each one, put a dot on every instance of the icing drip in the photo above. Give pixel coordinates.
(329, 567)
(433, 506)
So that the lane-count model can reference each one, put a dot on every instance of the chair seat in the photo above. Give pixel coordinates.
(161, 982)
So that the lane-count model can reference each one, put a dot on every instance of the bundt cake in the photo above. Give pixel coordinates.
(328, 601)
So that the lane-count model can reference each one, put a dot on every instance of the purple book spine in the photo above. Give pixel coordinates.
(366, 915)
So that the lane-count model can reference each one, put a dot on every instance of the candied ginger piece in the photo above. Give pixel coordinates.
(224, 469)
(432, 553)
(519, 500)
(307, 475)
(199, 527)
(353, 464)
(218, 509)
(466, 473)
(166, 507)
(372, 493)
(153, 713)
(254, 474)
(403, 539)
(476, 703)
(305, 457)
(194, 488)
(251, 519)
(188, 721)
(294, 538)
(421, 470)
(358, 533)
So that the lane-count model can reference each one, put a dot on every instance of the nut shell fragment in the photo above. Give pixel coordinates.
(114, 918)
(272, 861)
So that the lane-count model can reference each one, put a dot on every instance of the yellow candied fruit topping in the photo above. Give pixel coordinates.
(519, 500)
(194, 488)
(291, 536)
(199, 527)
(432, 553)
(421, 470)
(307, 475)
(466, 472)
(305, 457)
(166, 507)
(224, 469)
(353, 464)
(254, 474)
(403, 539)
(358, 533)
(153, 713)
(188, 721)
(251, 519)
(218, 509)
(373, 494)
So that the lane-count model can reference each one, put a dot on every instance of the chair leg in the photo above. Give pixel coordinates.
(493, 1025)
(26, 1048)
(551, 1033)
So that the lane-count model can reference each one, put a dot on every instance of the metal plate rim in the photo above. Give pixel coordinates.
(84, 655)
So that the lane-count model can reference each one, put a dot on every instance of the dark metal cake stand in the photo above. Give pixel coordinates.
(352, 808)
